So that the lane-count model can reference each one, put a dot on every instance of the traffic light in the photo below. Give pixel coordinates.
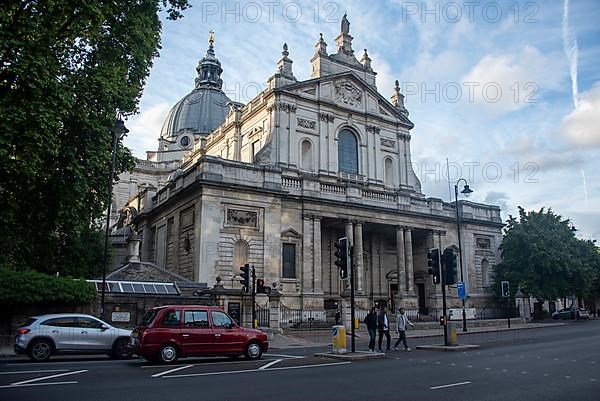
(449, 267)
(341, 256)
(505, 289)
(260, 286)
(433, 261)
(245, 274)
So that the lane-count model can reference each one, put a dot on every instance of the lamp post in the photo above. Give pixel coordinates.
(119, 131)
(466, 191)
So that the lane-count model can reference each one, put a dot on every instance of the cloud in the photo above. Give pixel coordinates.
(144, 129)
(504, 83)
(582, 125)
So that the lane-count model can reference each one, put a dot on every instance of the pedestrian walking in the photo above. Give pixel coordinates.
(338, 316)
(402, 324)
(383, 324)
(371, 323)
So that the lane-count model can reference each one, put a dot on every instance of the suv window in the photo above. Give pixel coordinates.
(220, 319)
(87, 323)
(171, 318)
(196, 318)
(60, 322)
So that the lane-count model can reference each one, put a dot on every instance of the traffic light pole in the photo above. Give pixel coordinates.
(253, 297)
(352, 296)
(444, 306)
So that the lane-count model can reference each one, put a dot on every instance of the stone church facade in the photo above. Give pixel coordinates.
(280, 179)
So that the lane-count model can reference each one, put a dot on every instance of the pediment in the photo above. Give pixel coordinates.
(348, 90)
(290, 232)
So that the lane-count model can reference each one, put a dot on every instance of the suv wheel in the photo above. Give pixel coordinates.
(120, 349)
(40, 350)
(253, 350)
(168, 353)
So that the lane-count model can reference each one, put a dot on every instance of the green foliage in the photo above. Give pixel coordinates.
(542, 256)
(66, 68)
(31, 287)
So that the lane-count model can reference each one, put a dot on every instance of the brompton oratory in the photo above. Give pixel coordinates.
(275, 182)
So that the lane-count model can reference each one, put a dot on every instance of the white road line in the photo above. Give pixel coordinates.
(449, 385)
(47, 377)
(255, 370)
(37, 384)
(224, 362)
(287, 356)
(16, 372)
(172, 370)
(270, 364)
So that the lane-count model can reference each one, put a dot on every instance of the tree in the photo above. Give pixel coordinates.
(542, 256)
(66, 68)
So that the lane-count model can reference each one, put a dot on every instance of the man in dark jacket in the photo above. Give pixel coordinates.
(383, 324)
(371, 322)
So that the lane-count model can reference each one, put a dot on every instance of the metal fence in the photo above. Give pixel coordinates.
(263, 316)
(302, 318)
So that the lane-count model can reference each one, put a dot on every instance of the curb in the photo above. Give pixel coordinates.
(356, 356)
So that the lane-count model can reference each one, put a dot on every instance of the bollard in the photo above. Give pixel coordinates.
(453, 336)
(338, 333)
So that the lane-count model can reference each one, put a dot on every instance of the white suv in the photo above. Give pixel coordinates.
(70, 333)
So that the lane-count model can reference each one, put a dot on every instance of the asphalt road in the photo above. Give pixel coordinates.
(558, 363)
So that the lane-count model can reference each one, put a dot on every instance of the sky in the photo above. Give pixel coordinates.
(507, 91)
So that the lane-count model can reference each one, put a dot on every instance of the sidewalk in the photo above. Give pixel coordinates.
(314, 338)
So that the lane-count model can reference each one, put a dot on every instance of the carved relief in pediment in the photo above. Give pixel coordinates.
(347, 93)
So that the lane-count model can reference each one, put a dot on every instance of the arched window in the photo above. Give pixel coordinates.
(240, 255)
(348, 152)
(485, 267)
(388, 167)
(306, 156)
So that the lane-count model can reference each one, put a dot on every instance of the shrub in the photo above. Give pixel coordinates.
(31, 287)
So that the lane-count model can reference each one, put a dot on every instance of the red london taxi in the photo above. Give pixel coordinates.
(177, 331)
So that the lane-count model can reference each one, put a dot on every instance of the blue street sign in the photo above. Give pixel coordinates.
(460, 287)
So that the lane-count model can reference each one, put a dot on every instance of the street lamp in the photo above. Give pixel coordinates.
(119, 131)
(466, 191)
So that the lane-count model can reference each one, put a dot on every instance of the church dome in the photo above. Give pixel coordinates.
(204, 108)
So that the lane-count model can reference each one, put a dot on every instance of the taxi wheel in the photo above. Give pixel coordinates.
(168, 353)
(253, 350)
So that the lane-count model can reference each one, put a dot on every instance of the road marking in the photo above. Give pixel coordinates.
(287, 356)
(33, 371)
(452, 364)
(469, 366)
(223, 362)
(449, 385)
(270, 364)
(487, 368)
(438, 362)
(556, 359)
(172, 370)
(228, 372)
(47, 377)
(539, 357)
(524, 373)
(593, 380)
(545, 374)
(37, 384)
(567, 377)
(504, 370)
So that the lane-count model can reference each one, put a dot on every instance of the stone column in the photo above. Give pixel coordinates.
(400, 261)
(146, 243)
(317, 261)
(307, 258)
(358, 257)
(410, 277)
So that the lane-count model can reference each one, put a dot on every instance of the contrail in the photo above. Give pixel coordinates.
(571, 51)
(585, 192)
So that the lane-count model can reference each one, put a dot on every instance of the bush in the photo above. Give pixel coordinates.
(31, 287)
